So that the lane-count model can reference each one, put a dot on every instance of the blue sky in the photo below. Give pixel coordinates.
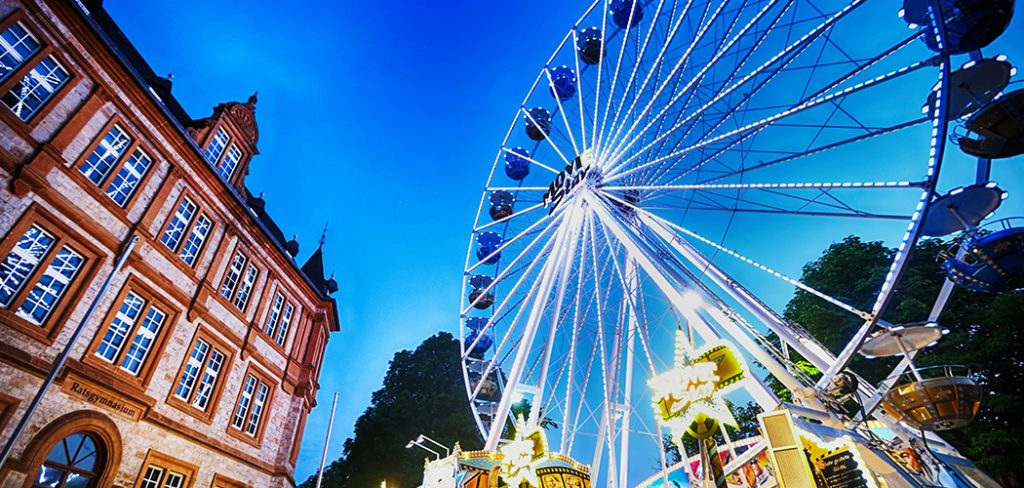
(383, 119)
(380, 118)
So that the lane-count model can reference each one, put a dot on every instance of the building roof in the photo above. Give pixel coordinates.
(159, 89)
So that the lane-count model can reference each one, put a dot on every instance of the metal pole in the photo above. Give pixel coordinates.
(327, 442)
(58, 364)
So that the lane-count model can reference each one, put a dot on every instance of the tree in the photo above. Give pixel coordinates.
(985, 335)
(423, 393)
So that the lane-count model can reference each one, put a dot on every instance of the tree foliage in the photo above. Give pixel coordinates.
(985, 335)
(423, 393)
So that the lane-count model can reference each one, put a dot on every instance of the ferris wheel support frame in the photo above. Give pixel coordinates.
(549, 271)
(761, 393)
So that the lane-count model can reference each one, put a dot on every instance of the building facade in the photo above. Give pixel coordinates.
(198, 363)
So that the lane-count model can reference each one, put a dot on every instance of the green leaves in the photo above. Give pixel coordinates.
(423, 393)
(986, 334)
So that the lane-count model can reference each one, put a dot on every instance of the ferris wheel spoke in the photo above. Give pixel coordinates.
(645, 215)
(615, 76)
(561, 112)
(530, 159)
(510, 270)
(820, 149)
(548, 274)
(788, 185)
(511, 217)
(579, 98)
(786, 56)
(564, 277)
(600, 70)
(779, 116)
(856, 70)
(549, 220)
(626, 142)
(838, 209)
(640, 57)
(695, 81)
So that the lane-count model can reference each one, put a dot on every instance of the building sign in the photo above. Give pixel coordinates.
(836, 464)
(102, 397)
(688, 398)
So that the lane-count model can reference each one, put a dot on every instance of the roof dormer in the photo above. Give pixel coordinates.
(227, 139)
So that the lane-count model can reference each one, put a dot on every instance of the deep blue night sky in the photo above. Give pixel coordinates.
(382, 118)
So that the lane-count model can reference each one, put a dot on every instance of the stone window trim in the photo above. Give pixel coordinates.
(235, 138)
(158, 460)
(80, 421)
(64, 236)
(46, 50)
(8, 405)
(99, 190)
(152, 299)
(229, 299)
(186, 406)
(221, 481)
(175, 255)
(262, 378)
(274, 288)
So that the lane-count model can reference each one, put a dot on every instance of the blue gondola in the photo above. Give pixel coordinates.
(563, 82)
(626, 13)
(590, 45)
(994, 263)
(479, 282)
(482, 300)
(476, 323)
(481, 347)
(489, 243)
(970, 24)
(501, 204)
(538, 123)
(517, 166)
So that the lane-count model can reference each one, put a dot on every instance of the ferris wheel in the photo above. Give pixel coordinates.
(674, 165)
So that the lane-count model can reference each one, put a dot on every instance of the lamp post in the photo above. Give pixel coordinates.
(416, 442)
(447, 452)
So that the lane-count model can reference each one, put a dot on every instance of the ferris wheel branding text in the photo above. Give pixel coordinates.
(564, 182)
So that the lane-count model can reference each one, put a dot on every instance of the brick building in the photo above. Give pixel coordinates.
(199, 363)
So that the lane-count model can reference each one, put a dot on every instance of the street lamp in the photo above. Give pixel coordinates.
(416, 442)
(447, 452)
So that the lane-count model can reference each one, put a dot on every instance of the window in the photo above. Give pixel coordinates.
(197, 386)
(250, 410)
(216, 147)
(108, 153)
(157, 477)
(179, 223)
(239, 280)
(279, 317)
(161, 471)
(35, 88)
(76, 461)
(36, 273)
(17, 44)
(186, 232)
(230, 161)
(132, 333)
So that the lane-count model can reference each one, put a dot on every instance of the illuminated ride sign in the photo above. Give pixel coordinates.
(568, 179)
(688, 398)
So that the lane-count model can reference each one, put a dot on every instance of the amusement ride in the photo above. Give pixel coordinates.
(672, 160)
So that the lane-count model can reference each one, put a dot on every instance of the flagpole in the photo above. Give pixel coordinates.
(327, 442)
